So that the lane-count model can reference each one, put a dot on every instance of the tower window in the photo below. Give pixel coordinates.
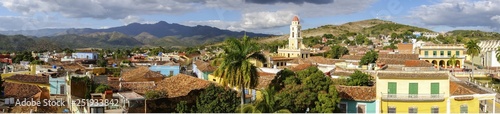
(293, 35)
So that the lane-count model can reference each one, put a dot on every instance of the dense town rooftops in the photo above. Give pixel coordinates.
(357, 93)
(181, 85)
(29, 78)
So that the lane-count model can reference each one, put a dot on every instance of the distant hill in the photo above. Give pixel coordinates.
(369, 27)
(475, 34)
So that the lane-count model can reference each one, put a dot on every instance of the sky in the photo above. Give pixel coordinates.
(262, 16)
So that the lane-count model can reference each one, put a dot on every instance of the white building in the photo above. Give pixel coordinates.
(295, 47)
(430, 34)
(487, 56)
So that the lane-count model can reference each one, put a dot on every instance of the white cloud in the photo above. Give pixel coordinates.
(31, 23)
(132, 19)
(251, 21)
(257, 14)
(461, 13)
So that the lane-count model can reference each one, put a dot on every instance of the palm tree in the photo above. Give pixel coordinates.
(266, 105)
(235, 68)
(453, 63)
(472, 50)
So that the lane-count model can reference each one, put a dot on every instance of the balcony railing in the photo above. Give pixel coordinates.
(412, 97)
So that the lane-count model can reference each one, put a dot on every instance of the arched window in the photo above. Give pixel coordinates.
(293, 35)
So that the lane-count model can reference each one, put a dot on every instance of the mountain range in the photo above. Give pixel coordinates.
(132, 35)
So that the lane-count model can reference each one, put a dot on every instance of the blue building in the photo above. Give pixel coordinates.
(84, 55)
(57, 85)
(167, 70)
(357, 99)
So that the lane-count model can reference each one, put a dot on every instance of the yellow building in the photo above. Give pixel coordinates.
(440, 54)
(429, 92)
(404, 92)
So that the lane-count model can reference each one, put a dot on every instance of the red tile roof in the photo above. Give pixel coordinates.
(417, 63)
(391, 61)
(205, 66)
(19, 91)
(399, 56)
(181, 85)
(138, 87)
(29, 78)
(265, 79)
(141, 74)
(357, 93)
(301, 67)
(461, 88)
(352, 57)
(320, 60)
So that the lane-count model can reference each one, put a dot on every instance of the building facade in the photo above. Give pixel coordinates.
(295, 47)
(412, 92)
(487, 56)
(439, 55)
(85, 55)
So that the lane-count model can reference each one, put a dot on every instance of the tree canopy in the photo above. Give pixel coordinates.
(359, 78)
(370, 57)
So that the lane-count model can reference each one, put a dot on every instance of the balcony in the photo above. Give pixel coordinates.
(412, 97)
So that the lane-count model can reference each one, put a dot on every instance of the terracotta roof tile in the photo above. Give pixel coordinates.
(265, 79)
(399, 56)
(412, 75)
(417, 63)
(301, 67)
(391, 61)
(461, 88)
(357, 93)
(319, 59)
(352, 57)
(205, 66)
(138, 87)
(19, 91)
(29, 78)
(181, 84)
(141, 74)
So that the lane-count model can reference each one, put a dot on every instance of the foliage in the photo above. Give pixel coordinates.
(370, 57)
(337, 51)
(101, 61)
(37, 62)
(23, 56)
(235, 68)
(216, 99)
(392, 46)
(311, 89)
(268, 104)
(101, 88)
(359, 78)
(155, 94)
(183, 107)
(280, 79)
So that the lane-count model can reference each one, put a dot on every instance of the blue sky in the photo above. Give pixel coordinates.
(264, 16)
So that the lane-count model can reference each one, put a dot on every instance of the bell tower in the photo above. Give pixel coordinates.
(295, 40)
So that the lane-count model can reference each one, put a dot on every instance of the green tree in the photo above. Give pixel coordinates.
(268, 104)
(453, 63)
(154, 94)
(359, 78)
(281, 77)
(312, 90)
(370, 57)
(101, 88)
(183, 107)
(337, 51)
(235, 68)
(472, 50)
(216, 99)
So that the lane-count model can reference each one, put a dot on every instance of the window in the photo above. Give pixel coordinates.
(392, 89)
(293, 35)
(457, 53)
(412, 110)
(391, 109)
(441, 53)
(343, 107)
(62, 88)
(464, 109)
(435, 89)
(434, 53)
(413, 90)
(214, 80)
(435, 110)
(449, 53)
(426, 53)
